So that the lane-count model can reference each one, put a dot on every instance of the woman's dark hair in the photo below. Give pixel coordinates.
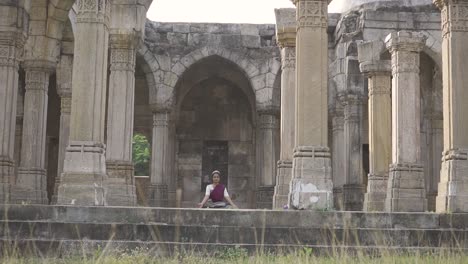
(215, 172)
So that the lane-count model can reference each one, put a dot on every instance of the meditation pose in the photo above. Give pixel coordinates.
(216, 193)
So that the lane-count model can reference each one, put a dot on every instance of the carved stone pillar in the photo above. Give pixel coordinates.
(84, 172)
(31, 183)
(380, 136)
(338, 153)
(64, 88)
(121, 185)
(354, 188)
(286, 35)
(311, 185)
(11, 46)
(268, 123)
(158, 190)
(406, 188)
(453, 187)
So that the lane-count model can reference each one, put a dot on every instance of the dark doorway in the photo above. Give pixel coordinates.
(215, 157)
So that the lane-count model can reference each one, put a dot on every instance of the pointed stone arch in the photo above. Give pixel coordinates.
(261, 74)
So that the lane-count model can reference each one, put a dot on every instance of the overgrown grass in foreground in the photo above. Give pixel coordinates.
(236, 256)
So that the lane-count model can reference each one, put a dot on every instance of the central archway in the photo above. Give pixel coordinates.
(215, 129)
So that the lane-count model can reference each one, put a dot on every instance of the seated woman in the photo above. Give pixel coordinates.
(216, 193)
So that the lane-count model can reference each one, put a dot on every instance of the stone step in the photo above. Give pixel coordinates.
(403, 237)
(53, 247)
(241, 218)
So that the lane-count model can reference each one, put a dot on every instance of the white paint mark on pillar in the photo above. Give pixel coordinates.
(314, 199)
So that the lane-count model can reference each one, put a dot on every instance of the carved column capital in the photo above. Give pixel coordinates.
(286, 27)
(268, 121)
(93, 11)
(286, 36)
(312, 13)
(406, 41)
(37, 74)
(454, 16)
(11, 48)
(123, 50)
(440, 3)
(376, 68)
(405, 47)
(161, 119)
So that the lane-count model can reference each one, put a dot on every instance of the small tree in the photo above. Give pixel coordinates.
(141, 155)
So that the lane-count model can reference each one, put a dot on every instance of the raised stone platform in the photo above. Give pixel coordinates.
(61, 229)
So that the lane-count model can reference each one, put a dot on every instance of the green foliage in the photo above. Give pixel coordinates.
(232, 254)
(141, 155)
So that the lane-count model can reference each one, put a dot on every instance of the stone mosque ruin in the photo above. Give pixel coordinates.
(364, 110)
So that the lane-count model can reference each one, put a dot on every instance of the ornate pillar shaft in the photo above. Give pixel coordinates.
(380, 136)
(406, 189)
(453, 187)
(160, 152)
(31, 183)
(84, 172)
(121, 187)
(11, 45)
(64, 88)
(268, 157)
(354, 188)
(338, 153)
(311, 185)
(286, 35)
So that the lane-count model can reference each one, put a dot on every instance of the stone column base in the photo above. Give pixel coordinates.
(311, 185)
(31, 187)
(453, 187)
(121, 189)
(157, 195)
(353, 197)
(264, 197)
(84, 177)
(338, 198)
(283, 178)
(7, 179)
(374, 200)
(406, 189)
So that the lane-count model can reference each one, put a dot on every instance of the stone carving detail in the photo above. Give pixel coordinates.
(405, 62)
(379, 90)
(122, 60)
(268, 122)
(312, 14)
(93, 11)
(8, 56)
(454, 16)
(65, 105)
(37, 80)
(288, 59)
(161, 119)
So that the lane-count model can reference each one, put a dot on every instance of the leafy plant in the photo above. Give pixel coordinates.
(141, 155)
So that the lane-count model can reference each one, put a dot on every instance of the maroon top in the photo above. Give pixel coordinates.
(217, 195)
